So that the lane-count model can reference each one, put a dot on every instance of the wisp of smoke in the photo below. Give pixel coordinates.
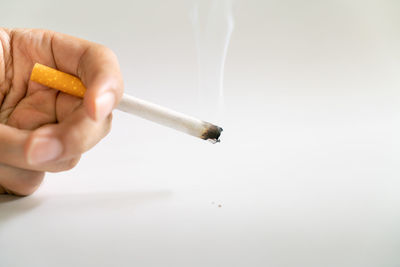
(213, 24)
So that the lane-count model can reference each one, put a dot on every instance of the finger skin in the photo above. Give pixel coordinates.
(12, 142)
(15, 143)
(19, 181)
(75, 123)
(77, 134)
(98, 69)
(96, 65)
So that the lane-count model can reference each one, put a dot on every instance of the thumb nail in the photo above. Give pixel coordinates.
(44, 149)
(104, 105)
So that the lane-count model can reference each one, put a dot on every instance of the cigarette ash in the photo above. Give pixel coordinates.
(219, 205)
(212, 133)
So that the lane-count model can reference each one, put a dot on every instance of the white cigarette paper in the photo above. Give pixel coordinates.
(169, 118)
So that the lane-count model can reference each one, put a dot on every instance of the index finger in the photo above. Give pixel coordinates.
(97, 67)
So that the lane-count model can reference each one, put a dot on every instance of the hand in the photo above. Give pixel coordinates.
(42, 129)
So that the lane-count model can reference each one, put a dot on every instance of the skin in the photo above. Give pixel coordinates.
(30, 112)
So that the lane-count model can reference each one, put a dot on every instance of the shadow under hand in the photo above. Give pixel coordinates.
(105, 201)
(11, 206)
(76, 204)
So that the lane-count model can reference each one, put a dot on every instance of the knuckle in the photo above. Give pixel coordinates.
(28, 183)
(105, 51)
(72, 163)
(65, 165)
(108, 51)
(75, 141)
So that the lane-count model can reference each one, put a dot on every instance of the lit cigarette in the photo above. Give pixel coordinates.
(72, 85)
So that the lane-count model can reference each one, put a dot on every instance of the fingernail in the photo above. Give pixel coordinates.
(104, 105)
(44, 149)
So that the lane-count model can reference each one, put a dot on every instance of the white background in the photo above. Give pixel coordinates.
(306, 174)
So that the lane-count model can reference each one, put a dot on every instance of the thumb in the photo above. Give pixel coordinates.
(12, 146)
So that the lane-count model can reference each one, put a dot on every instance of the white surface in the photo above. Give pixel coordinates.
(307, 173)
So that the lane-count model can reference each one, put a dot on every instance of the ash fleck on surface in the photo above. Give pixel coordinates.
(213, 203)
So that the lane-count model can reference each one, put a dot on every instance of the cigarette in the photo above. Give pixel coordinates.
(72, 85)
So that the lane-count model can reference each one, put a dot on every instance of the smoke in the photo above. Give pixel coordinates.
(213, 24)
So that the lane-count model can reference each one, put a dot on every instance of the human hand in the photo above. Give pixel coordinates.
(41, 129)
